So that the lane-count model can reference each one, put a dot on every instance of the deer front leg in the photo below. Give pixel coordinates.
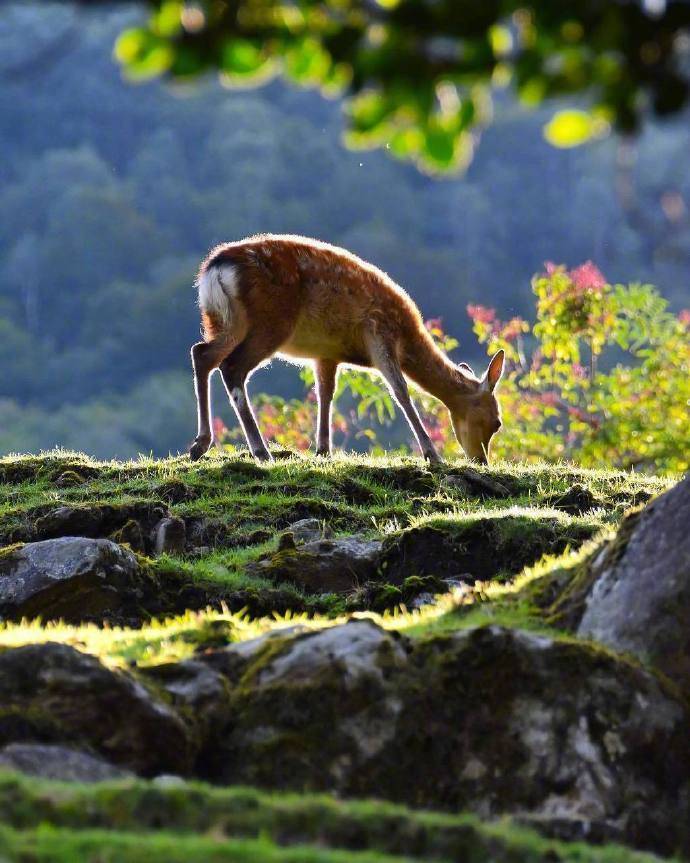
(326, 373)
(384, 359)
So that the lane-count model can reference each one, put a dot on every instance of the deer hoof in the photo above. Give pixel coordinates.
(199, 447)
(433, 457)
(263, 455)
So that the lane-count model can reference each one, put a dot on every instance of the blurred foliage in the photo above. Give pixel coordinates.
(111, 194)
(607, 378)
(601, 378)
(418, 74)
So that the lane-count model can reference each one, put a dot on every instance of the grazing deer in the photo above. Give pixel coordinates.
(288, 295)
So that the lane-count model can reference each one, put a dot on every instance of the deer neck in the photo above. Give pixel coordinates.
(430, 369)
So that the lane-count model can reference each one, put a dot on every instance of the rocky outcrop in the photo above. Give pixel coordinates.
(52, 693)
(425, 559)
(639, 601)
(502, 722)
(477, 549)
(97, 521)
(491, 720)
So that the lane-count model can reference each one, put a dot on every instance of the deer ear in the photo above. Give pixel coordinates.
(494, 371)
(466, 367)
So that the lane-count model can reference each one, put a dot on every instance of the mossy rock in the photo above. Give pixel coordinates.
(478, 549)
(502, 721)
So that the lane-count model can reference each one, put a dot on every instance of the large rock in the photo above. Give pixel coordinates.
(58, 762)
(52, 693)
(493, 720)
(72, 578)
(326, 565)
(640, 599)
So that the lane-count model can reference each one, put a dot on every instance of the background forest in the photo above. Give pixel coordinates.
(111, 193)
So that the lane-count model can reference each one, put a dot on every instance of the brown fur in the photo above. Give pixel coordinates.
(309, 300)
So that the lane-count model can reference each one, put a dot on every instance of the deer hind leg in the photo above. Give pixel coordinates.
(326, 374)
(206, 356)
(235, 370)
(383, 357)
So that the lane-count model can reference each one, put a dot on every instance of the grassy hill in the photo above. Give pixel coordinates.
(423, 553)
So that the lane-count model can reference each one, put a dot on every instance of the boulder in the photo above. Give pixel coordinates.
(199, 693)
(72, 578)
(492, 720)
(639, 601)
(326, 565)
(58, 762)
(52, 693)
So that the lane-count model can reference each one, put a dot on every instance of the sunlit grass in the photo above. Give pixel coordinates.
(374, 496)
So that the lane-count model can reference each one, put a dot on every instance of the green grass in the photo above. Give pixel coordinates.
(394, 499)
(133, 820)
(243, 505)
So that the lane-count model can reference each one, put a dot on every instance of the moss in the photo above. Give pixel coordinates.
(480, 547)
(385, 596)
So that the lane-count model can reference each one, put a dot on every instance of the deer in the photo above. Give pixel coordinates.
(308, 301)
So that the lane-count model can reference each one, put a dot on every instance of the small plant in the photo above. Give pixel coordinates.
(602, 377)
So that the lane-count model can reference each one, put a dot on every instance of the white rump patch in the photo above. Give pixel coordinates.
(218, 287)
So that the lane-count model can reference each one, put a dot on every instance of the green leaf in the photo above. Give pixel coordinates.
(242, 57)
(143, 54)
(307, 62)
(573, 128)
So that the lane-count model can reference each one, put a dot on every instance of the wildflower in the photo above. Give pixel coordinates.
(481, 314)
(587, 277)
(549, 399)
(219, 428)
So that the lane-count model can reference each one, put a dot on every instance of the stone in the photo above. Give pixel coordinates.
(326, 565)
(308, 530)
(232, 661)
(52, 693)
(194, 688)
(170, 536)
(639, 602)
(492, 720)
(326, 694)
(49, 761)
(72, 578)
